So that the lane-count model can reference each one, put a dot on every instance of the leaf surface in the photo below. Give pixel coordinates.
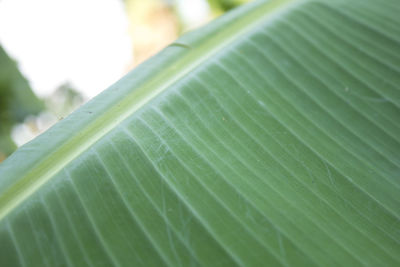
(270, 137)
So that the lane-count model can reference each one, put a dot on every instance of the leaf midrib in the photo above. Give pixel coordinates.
(76, 145)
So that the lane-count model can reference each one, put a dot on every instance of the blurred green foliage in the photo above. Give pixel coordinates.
(63, 100)
(221, 6)
(17, 101)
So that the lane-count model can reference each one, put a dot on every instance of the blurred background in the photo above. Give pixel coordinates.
(57, 54)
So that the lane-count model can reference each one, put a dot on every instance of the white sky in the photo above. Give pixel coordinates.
(84, 42)
(193, 12)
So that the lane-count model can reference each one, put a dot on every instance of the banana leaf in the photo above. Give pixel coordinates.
(270, 137)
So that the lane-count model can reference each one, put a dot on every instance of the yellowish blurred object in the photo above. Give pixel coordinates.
(153, 25)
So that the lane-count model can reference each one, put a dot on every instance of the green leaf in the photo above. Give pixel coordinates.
(270, 137)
